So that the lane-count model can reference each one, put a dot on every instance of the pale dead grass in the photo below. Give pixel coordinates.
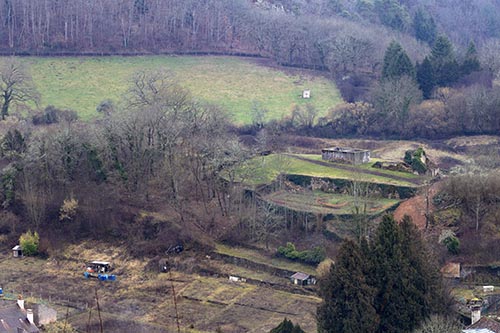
(469, 141)
(146, 298)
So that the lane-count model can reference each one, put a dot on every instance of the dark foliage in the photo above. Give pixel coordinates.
(286, 326)
(424, 26)
(396, 63)
(394, 282)
(314, 256)
(348, 300)
(425, 78)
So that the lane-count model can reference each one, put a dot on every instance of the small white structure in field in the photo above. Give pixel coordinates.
(234, 278)
(488, 289)
(306, 94)
(17, 251)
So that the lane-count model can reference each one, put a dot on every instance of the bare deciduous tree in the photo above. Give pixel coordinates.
(16, 86)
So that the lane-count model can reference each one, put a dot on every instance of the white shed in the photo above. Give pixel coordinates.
(17, 251)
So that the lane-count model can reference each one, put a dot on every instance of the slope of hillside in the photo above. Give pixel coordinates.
(237, 84)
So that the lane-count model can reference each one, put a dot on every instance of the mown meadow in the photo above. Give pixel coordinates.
(81, 83)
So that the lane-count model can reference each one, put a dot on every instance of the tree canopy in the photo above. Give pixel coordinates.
(396, 63)
(393, 287)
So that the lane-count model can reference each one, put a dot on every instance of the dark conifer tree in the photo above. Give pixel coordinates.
(425, 78)
(286, 326)
(423, 274)
(471, 62)
(347, 299)
(388, 286)
(444, 63)
(396, 63)
(390, 301)
(392, 14)
(424, 26)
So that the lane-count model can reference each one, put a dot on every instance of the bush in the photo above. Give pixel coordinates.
(414, 159)
(323, 268)
(452, 244)
(314, 256)
(52, 115)
(29, 243)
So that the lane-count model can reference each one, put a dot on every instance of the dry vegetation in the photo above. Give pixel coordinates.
(142, 299)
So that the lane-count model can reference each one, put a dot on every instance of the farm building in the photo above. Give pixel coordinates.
(346, 154)
(302, 279)
(306, 94)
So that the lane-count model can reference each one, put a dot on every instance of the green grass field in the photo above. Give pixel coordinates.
(366, 166)
(318, 202)
(81, 83)
(265, 169)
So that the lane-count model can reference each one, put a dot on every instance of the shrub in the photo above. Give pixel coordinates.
(323, 268)
(67, 212)
(414, 159)
(52, 115)
(29, 243)
(314, 256)
(452, 244)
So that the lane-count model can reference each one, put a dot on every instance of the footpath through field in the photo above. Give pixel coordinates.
(416, 181)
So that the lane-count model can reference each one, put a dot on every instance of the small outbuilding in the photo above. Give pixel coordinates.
(302, 279)
(17, 251)
(306, 94)
(346, 155)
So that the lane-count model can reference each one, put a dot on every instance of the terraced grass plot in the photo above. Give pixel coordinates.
(265, 169)
(328, 203)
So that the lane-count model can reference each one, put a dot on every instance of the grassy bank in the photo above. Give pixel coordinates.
(265, 169)
(81, 83)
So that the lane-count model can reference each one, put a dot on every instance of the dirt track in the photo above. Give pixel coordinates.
(416, 207)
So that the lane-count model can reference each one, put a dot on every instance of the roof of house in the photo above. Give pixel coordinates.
(16, 248)
(300, 276)
(344, 150)
(12, 318)
(484, 325)
(451, 270)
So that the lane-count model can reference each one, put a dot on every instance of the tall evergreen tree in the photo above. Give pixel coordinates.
(396, 63)
(471, 62)
(423, 274)
(444, 62)
(424, 26)
(390, 302)
(347, 299)
(392, 14)
(425, 78)
(387, 286)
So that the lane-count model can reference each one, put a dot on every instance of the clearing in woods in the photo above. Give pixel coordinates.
(235, 83)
